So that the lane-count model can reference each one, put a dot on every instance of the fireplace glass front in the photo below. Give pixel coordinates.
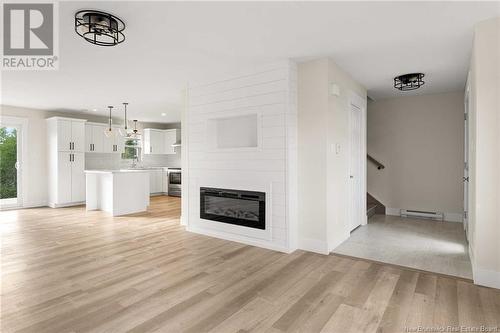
(245, 208)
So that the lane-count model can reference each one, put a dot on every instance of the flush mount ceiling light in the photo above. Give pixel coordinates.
(409, 81)
(99, 28)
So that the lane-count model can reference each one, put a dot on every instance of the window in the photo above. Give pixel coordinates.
(132, 149)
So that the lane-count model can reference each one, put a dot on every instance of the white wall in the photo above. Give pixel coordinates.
(270, 92)
(420, 140)
(484, 146)
(323, 173)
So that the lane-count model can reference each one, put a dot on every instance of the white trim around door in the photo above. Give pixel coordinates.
(357, 160)
(21, 125)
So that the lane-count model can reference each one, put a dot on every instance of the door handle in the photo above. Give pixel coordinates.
(16, 165)
(351, 176)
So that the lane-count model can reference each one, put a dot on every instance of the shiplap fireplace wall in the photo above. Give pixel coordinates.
(265, 99)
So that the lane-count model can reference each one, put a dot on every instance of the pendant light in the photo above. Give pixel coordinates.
(135, 133)
(124, 131)
(108, 132)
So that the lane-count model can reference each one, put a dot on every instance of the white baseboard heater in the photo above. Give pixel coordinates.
(422, 214)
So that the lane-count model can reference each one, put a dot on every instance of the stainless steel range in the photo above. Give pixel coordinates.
(174, 182)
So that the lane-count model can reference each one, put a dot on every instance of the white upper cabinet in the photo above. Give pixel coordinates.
(153, 141)
(159, 141)
(69, 134)
(170, 137)
(97, 142)
(63, 134)
(94, 136)
(78, 135)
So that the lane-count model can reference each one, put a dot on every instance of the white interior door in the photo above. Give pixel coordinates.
(355, 167)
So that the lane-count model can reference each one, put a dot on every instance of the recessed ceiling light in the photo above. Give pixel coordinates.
(163, 114)
(95, 110)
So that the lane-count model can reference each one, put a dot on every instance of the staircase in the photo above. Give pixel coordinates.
(373, 206)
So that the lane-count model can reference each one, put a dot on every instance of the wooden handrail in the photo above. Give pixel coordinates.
(379, 165)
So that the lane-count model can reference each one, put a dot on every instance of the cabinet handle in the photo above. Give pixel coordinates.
(150, 149)
(93, 147)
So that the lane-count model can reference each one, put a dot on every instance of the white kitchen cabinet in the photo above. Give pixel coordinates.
(97, 142)
(66, 161)
(94, 138)
(78, 135)
(116, 143)
(153, 141)
(78, 177)
(164, 182)
(64, 173)
(160, 141)
(70, 134)
(170, 138)
(155, 181)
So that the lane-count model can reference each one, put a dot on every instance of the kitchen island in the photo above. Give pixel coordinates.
(118, 192)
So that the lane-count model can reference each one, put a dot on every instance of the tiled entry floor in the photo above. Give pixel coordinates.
(422, 244)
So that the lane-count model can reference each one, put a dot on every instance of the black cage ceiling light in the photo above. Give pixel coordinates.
(99, 28)
(409, 81)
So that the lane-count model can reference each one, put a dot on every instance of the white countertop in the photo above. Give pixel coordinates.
(144, 169)
(117, 171)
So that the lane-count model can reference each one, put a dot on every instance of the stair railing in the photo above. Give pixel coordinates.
(379, 165)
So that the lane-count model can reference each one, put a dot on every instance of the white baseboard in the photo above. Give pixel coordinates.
(485, 277)
(54, 205)
(239, 239)
(448, 217)
(454, 217)
(30, 205)
(392, 211)
(313, 245)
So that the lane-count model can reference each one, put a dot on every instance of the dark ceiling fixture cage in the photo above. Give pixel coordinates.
(409, 81)
(99, 28)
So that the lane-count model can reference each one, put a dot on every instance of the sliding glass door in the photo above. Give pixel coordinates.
(9, 165)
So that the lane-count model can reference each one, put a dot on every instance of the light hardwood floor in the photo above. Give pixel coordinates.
(68, 270)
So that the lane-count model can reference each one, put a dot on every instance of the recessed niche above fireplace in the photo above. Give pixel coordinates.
(238, 132)
(244, 208)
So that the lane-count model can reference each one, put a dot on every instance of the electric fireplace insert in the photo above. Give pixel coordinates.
(245, 208)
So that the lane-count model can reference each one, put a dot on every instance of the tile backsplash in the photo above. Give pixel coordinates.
(114, 161)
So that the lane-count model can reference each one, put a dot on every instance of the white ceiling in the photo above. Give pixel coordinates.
(171, 43)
